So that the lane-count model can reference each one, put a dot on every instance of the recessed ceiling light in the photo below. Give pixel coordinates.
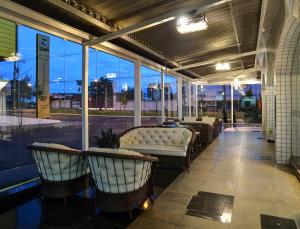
(222, 66)
(192, 24)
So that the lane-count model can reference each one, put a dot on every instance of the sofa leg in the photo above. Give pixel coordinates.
(130, 214)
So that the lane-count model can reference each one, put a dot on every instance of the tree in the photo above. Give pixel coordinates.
(225, 120)
(124, 96)
(249, 92)
(102, 91)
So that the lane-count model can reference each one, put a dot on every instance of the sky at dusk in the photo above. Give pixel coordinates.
(65, 66)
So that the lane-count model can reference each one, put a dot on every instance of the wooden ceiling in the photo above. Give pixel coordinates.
(232, 28)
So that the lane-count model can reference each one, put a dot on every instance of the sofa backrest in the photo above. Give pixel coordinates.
(157, 136)
(208, 120)
(119, 172)
(57, 162)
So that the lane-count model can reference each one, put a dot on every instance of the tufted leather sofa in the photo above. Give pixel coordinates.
(160, 141)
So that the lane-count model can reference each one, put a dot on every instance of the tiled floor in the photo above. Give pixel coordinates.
(231, 165)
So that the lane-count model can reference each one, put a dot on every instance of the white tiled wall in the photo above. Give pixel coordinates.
(283, 71)
(270, 110)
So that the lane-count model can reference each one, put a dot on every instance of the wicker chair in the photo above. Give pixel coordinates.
(63, 171)
(123, 180)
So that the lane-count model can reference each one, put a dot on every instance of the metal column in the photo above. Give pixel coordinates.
(196, 100)
(162, 97)
(137, 94)
(190, 98)
(84, 97)
(179, 97)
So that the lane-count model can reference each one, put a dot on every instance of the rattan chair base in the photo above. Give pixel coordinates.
(60, 189)
(122, 202)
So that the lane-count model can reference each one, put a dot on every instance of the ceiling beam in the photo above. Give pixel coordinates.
(235, 30)
(226, 58)
(230, 74)
(202, 7)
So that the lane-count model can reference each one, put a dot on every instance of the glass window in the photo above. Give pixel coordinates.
(170, 84)
(111, 93)
(58, 119)
(151, 96)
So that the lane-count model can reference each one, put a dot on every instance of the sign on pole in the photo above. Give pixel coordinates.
(42, 76)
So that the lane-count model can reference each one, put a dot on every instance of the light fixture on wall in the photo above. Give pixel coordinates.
(192, 24)
(222, 66)
(14, 57)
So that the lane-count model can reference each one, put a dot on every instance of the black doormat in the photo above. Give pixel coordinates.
(274, 222)
(212, 206)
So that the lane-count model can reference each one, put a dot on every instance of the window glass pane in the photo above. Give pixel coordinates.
(151, 96)
(215, 100)
(21, 124)
(170, 84)
(111, 94)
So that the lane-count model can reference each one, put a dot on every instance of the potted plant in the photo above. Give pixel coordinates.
(108, 139)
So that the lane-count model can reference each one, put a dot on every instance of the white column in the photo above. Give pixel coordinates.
(196, 100)
(85, 84)
(137, 94)
(231, 90)
(190, 98)
(162, 97)
(179, 97)
(169, 100)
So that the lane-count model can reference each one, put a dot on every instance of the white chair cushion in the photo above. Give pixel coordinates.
(118, 175)
(54, 166)
(158, 149)
(189, 119)
(118, 151)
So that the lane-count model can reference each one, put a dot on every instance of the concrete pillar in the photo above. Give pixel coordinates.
(179, 97)
(137, 94)
(85, 84)
(162, 97)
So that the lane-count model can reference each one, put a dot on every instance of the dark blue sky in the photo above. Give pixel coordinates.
(65, 65)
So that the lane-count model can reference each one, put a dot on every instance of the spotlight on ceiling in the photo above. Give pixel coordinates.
(192, 24)
(222, 66)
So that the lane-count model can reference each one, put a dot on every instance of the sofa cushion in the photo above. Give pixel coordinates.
(209, 120)
(158, 149)
(55, 166)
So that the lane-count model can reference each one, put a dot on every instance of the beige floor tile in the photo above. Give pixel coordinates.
(255, 192)
(246, 212)
(147, 223)
(167, 211)
(200, 223)
(288, 211)
(229, 166)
